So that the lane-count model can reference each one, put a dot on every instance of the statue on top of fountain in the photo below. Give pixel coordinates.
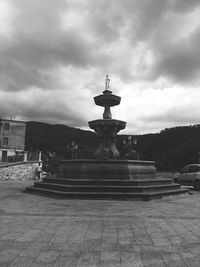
(107, 85)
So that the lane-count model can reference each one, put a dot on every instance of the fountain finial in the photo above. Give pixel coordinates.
(107, 86)
(107, 83)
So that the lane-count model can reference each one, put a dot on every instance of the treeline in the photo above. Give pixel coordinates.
(171, 149)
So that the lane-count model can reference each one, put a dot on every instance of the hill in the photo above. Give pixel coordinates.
(56, 138)
(172, 148)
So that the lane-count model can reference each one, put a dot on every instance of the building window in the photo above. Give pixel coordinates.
(5, 142)
(6, 126)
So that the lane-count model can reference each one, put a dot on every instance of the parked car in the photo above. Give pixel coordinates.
(189, 175)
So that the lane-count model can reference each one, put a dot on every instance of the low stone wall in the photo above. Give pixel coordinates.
(18, 171)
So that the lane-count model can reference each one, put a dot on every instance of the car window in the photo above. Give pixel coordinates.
(185, 170)
(194, 169)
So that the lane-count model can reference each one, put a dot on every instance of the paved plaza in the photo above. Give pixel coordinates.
(40, 231)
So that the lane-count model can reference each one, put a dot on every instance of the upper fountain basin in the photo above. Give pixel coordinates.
(108, 100)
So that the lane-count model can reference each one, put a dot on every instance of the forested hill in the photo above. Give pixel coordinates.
(56, 138)
(171, 148)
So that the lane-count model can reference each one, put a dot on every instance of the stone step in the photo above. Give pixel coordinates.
(105, 188)
(106, 182)
(106, 195)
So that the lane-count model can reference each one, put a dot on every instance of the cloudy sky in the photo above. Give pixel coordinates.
(54, 56)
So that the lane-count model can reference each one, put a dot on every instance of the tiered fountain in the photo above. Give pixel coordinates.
(107, 128)
(106, 176)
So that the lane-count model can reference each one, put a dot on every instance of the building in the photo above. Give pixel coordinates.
(12, 138)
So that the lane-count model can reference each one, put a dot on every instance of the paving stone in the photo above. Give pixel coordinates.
(193, 262)
(21, 262)
(29, 252)
(125, 235)
(157, 236)
(173, 237)
(110, 264)
(94, 231)
(151, 258)
(71, 247)
(110, 256)
(132, 259)
(39, 245)
(65, 262)
(54, 245)
(88, 259)
(8, 255)
(140, 234)
(192, 227)
(6, 258)
(187, 235)
(70, 253)
(173, 259)
(42, 264)
(48, 256)
(29, 235)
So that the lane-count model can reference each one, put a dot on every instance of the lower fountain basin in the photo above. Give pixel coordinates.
(107, 125)
(106, 169)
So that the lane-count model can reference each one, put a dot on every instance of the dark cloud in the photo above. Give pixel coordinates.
(173, 57)
(106, 21)
(16, 76)
(148, 15)
(40, 42)
(185, 5)
(24, 64)
(180, 61)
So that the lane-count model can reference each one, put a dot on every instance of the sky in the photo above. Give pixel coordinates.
(54, 56)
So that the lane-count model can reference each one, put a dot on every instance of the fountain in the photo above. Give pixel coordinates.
(106, 176)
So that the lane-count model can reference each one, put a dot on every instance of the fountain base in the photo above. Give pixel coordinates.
(106, 179)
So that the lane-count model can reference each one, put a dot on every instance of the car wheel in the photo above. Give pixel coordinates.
(197, 185)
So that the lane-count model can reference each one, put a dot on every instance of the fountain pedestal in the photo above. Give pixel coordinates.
(106, 131)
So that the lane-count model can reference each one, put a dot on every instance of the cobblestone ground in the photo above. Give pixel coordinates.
(39, 231)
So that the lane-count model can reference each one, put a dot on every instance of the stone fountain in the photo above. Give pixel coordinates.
(106, 176)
